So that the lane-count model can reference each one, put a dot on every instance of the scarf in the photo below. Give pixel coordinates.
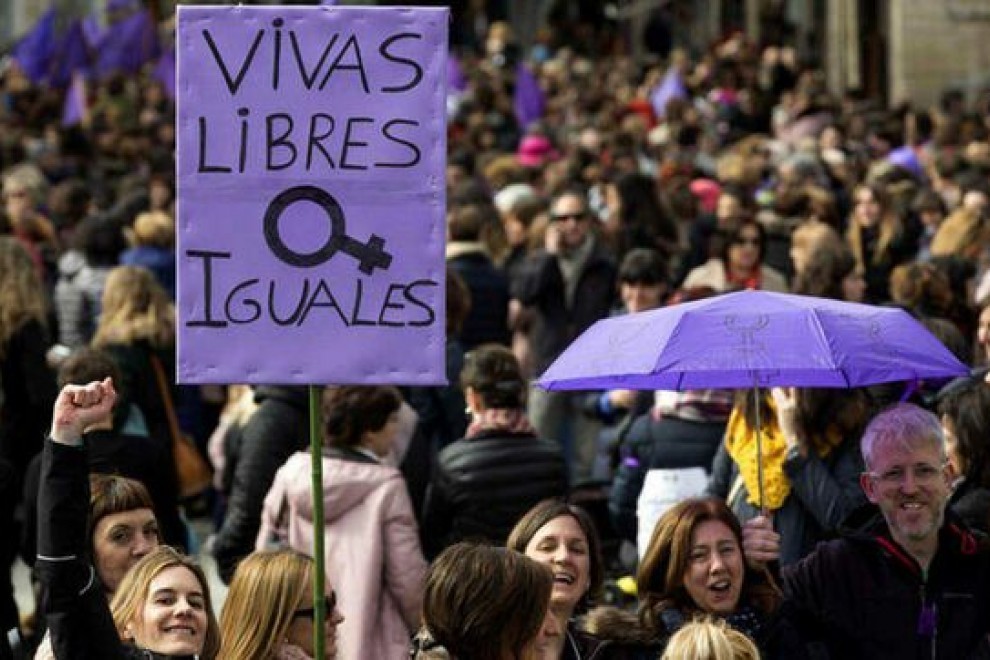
(746, 619)
(571, 264)
(287, 651)
(505, 420)
(740, 442)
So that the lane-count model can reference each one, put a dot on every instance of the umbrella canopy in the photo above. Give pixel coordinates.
(752, 339)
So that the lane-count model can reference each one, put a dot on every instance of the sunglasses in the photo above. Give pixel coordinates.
(745, 240)
(564, 217)
(329, 605)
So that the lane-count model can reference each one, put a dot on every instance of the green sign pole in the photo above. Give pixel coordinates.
(319, 572)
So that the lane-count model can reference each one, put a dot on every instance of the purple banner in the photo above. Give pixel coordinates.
(311, 154)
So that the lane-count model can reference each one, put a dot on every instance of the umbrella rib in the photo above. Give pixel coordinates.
(823, 338)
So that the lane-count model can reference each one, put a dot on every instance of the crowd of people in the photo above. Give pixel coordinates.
(491, 518)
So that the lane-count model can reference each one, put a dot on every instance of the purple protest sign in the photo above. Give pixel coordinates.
(311, 146)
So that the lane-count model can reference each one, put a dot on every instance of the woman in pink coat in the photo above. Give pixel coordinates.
(373, 556)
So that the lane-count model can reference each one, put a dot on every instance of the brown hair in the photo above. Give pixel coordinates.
(22, 297)
(492, 370)
(921, 288)
(890, 227)
(660, 579)
(541, 514)
(109, 494)
(130, 597)
(352, 410)
(485, 603)
(458, 301)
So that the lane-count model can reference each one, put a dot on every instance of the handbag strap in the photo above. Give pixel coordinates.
(173, 422)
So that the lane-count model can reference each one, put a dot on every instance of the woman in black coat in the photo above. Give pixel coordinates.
(486, 481)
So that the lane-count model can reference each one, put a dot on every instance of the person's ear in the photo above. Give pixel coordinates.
(472, 399)
(869, 488)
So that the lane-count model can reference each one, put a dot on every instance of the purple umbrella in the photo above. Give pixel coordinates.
(752, 339)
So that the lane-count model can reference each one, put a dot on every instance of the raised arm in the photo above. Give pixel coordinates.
(76, 607)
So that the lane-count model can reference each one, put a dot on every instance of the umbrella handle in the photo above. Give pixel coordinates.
(760, 497)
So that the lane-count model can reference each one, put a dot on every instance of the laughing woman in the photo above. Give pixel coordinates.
(564, 537)
(694, 567)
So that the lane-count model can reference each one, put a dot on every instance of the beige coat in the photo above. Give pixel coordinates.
(712, 273)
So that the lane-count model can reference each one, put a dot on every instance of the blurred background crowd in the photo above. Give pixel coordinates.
(590, 173)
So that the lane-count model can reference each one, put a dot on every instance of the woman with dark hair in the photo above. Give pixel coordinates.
(636, 217)
(483, 603)
(694, 567)
(740, 262)
(366, 506)
(563, 536)
(964, 407)
(484, 482)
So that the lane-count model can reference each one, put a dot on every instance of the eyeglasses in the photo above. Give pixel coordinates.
(746, 240)
(922, 474)
(564, 217)
(329, 605)
(15, 194)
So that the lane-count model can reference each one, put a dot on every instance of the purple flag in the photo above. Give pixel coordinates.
(75, 107)
(34, 52)
(311, 202)
(73, 53)
(528, 102)
(456, 80)
(670, 88)
(165, 72)
(127, 45)
(92, 30)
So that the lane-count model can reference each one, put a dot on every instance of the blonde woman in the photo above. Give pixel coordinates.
(28, 383)
(268, 614)
(137, 329)
(705, 639)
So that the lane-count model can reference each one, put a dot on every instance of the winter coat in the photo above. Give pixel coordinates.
(488, 318)
(540, 285)
(78, 299)
(712, 273)
(664, 443)
(483, 485)
(27, 394)
(373, 557)
(160, 261)
(972, 504)
(824, 491)
(277, 429)
(626, 638)
(862, 594)
(76, 607)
